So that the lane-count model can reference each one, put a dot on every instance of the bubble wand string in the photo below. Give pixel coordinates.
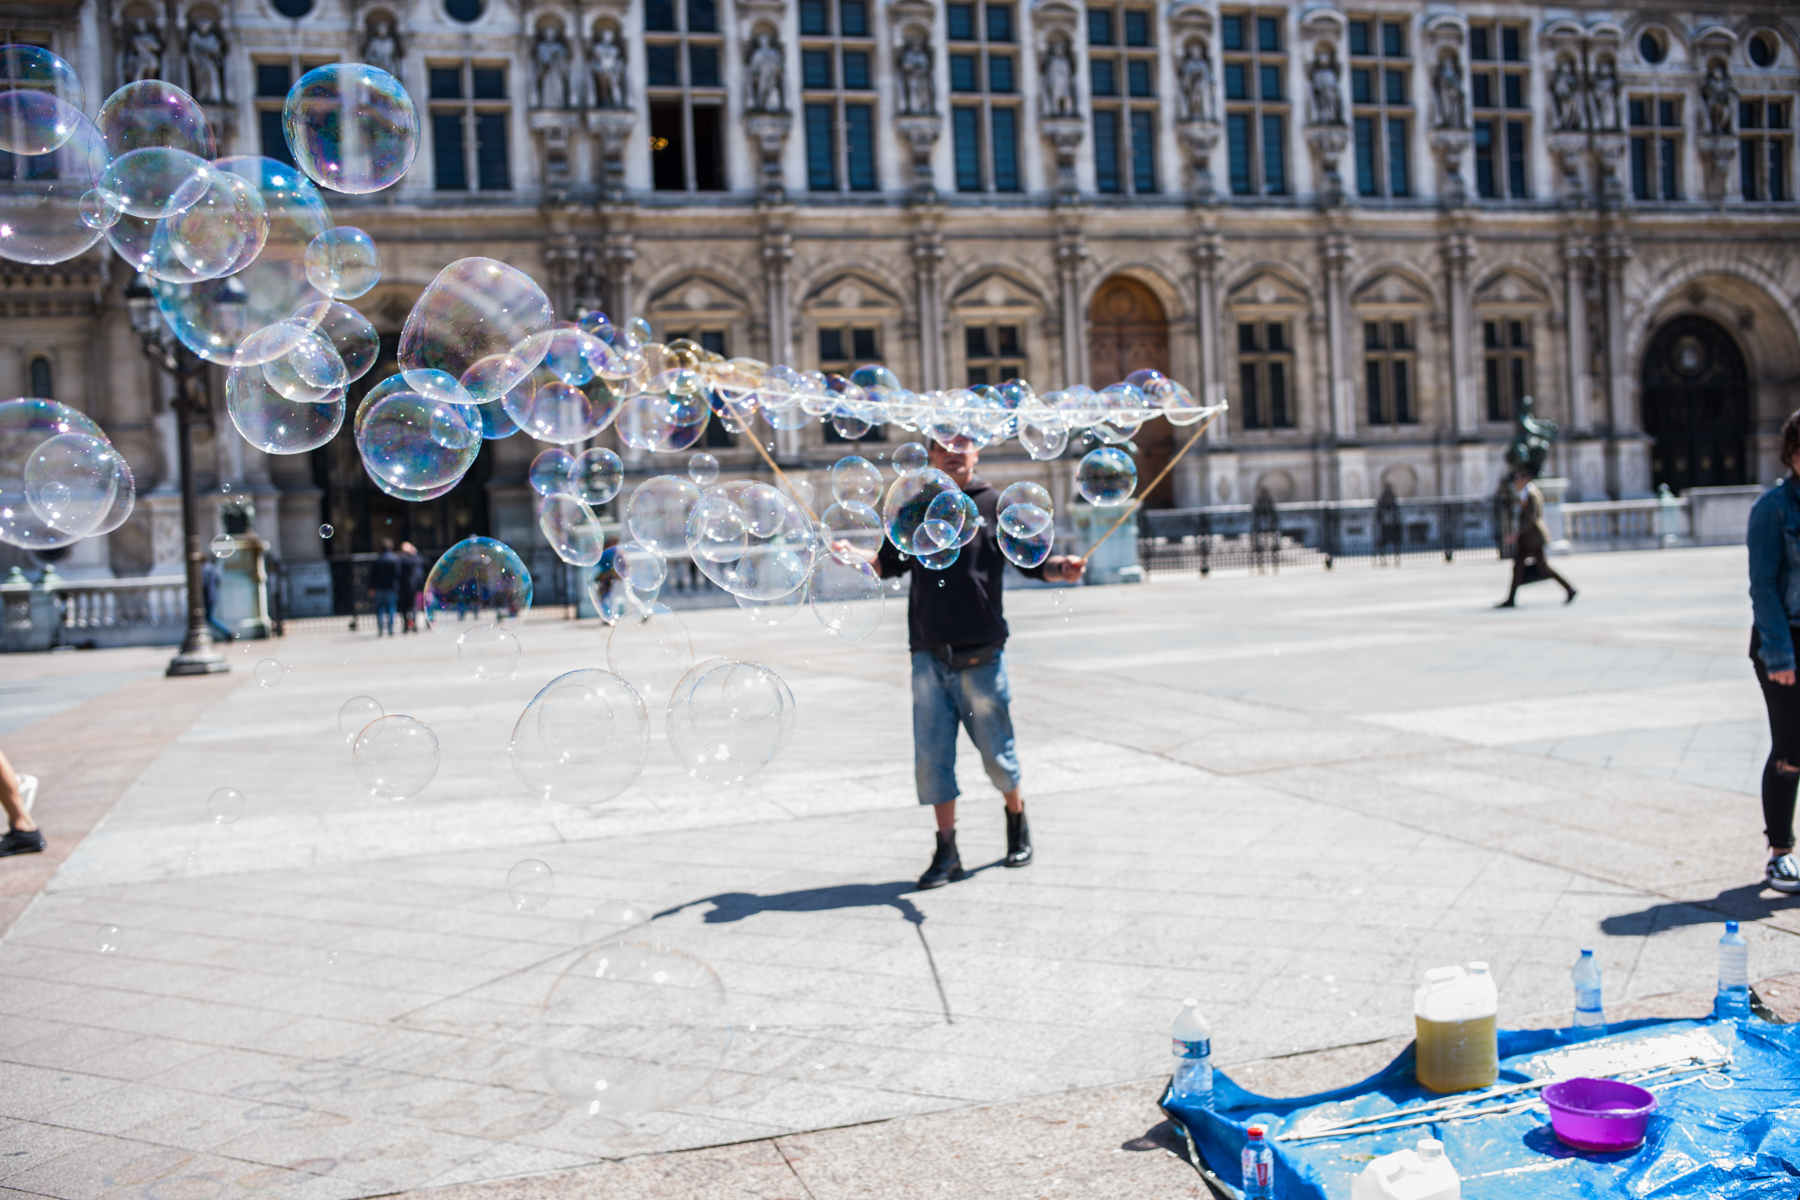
(1160, 475)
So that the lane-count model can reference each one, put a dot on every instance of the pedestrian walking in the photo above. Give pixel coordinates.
(384, 587)
(957, 634)
(1531, 554)
(1774, 540)
(209, 597)
(412, 581)
(17, 794)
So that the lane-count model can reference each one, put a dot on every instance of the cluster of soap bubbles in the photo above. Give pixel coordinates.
(61, 480)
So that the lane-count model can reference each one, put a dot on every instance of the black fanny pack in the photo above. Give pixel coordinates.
(961, 658)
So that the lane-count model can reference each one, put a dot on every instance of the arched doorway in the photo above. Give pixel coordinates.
(1128, 330)
(1696, 402)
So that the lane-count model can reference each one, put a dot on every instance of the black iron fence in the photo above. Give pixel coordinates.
(1266, 536)
(333, 592)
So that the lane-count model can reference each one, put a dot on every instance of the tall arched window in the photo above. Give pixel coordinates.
(40, 379)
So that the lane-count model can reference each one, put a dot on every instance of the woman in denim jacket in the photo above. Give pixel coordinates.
(1775, 601)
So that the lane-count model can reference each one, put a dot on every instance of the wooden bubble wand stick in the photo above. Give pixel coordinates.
(1160, 476)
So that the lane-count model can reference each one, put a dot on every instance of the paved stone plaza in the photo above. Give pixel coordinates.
(1286, 795)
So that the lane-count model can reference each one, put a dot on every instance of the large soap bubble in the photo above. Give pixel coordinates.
(37, 92)
(351, 334)
(477, 581)
(1026, 533)
(151, 114)
(571, 528)
(855, 479)
(553, 410)
(846, 596)
(625, 581)
(395, 757)
(25, 425)
(633, 1027)
(551, 472)
(410, 441)
(41, 197)
(222, 231)
(473, 322)
(275, 424)
(344, 262)
(597, 475)
(751, 539)
(728, 718)
(582, 740)
(1106, 477)
(854, 531)
(658, 513)
(155, 181)
(351, 127)
(908, 501)
(71, 481)
(650, 648)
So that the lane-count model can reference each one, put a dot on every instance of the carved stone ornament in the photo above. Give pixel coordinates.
(765, 66)
(1326, 82)
(1057, 72)
(1064, 135)
(550, 85)
(1451, 147)
(606, 63)
(915, 66)
(770, 133)
(1197, 97)
(1329, 143)
(381, 46)
(1200, 139)
(921, 134)
(140, 51)
(205, 59)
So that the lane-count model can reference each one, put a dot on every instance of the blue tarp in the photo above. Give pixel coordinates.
(1731, 1144)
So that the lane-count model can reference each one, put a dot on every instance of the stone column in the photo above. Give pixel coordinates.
(1071, 252)
(613, 128)
(1459, 252)
(1615, 253)
(928, 253)
(1578, 256)
(619, 254)
(1337, 255)
(778, 257)
(1208, 253)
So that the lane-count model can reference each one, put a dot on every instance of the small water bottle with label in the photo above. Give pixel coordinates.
(1192, 1046)
(1733, 999)
(1259, 1165)
(1590, 1015)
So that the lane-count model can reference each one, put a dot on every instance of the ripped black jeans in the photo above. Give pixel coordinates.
(1778, 786)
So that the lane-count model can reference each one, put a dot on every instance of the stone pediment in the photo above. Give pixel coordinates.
(697, 293)
(851, 290)
(1511, 287)
(1390, 287)
(1265, 289)
(993, 289)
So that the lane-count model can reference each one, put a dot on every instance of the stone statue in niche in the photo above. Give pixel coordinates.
(1603, 97)
(1059, 79)
(550, 68)
(1720, 98)
(1327, 96)
(1565, 95)
(1196, 75)
(1447, 98)
(143, 52)
(767, 64)
(382, 47)
(918, 95)
(608, 66)
(206, 60)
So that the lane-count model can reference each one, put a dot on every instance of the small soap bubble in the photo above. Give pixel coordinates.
(225, 805)
(223, 545)
(356, 714)
(331, 958)
(638, 328)
(109, 939)
(488, 651)
(910, 457)
(530, 884)
(703, 469)
(325, 531)
(1106, 477)
(395, 757)
(269, 672)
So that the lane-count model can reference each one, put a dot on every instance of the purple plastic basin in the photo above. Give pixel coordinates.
(1602, 1115)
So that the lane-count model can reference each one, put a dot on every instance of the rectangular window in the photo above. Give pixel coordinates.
(668, 149)
(1387, 372)
(1236, 87)
(1499, 98)
(1479, 50)
(449, 155)
(274, 79)
(1143, 152)
(1359, 37)
(837, 74)
(1515, 158)
(859, 138)
(856, 71)
(984, 134)
(1394, 89)
(1393, 39)
(815, 18)
(1256, 126)
(703, 65)
(1383, 157)
(1006, 149)
(659, 16)
(999, 23)
(445, 82)
(992, 353)
(963, 73)
(1137, 72)
(1365, 157)
(1101, 71)
(853, 18)
(1249, 399)
(490, 152)
(1269, 84)
(1279, 417)
(709, 148)
(662, 65)
(1764, 153)
(821, 154)
(831, 346)
(1274, 148)
(274, 137)
(815, 68)
(1515, 90)
(862, 344)
(1399, 182)
(1000, 74)
(1484, 160)
(966, 126)
(1100, 27)
(1481, 90)
(1231, 32)
(1238, 148)
(1106, 150)
(961, 19)
(1655, 146)
(1360, 90)
(1137, 27)
(490, 82)
(1268, 34)
(1509, 44)
(1264, 362)
(1507, 353)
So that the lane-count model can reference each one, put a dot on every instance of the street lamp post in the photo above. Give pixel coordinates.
(196, 656)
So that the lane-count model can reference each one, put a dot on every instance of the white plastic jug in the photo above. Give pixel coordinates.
(1422, 1174)
(1457, 1042)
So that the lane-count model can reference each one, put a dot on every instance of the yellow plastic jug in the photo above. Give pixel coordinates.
(1457, 1046)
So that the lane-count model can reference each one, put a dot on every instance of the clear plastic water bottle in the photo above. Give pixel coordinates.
(1733, 999)
(1589, 1013)
(1259, 1166)
(1191, 1043)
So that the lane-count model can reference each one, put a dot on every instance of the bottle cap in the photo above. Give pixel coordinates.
(1587, 954)
(1256, 1133)
(1731, 927)
(1190, 1003)
(1430, 1148)
(1478, 968)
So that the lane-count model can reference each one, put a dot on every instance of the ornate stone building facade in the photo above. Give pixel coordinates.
(1374, 228)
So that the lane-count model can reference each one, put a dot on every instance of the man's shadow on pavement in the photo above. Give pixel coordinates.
(1747, 903)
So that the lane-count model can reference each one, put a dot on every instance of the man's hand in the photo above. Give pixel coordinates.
(1066, 568)
(1784, 678)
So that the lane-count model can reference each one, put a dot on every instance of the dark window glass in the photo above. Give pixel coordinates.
(274, 137)
(1274, 148)
(449, 157)
(1665, 114)
(1478, 44)
(666, 171)
(1365, 156)
(1106, 151)
(1279, 417)
(966, 124)
(1484, 159)
(815, 68)
(1515, 91)
(862, 345)
(1515, 158)
(1667, 147)
(1137, 28)
(1006, 150)
(1403, 408)
(975, 341)
(859, 146)
(273, 79)
(1509, 44)
(1000, 22)
(1490, 335)
(1104, 82)
(1237, 142)
(1496, 400)
(1231, 32)
(463, 10)
(1000, 73)
(490, 83)
(962, 22)
(295, 9)
(1518, 376)
(40, 379)
(1247, 336)
(831, 345)
(1399, 181)
(815, 18)
(1372, 384)
(709, 148)
(490, 152)
(1481, 85)
(1269, 83)
(1749, 115)
(1393, 39)
(1517, 329)
(703, 16)
(978, 375)
(1137, 75)
(1402, 340)
(1236, 85)
(1359, 37)
(1143, 152)
(1777, 172)
(703, 65)
(1100, 27)
(963, 75)
(445, 83)
(821, 158)
(1640, 168)
(1637, 111)
(659, 16)
(1277, 335)
(1248, 398)
(1762, 50)
(1372, 337)
(1006, 340)
(853, 18)
(662, 66)
(1268, 33)
(1747, 168)
(1777, 116)
(856, 70)
(1651, 48)
(1360, 90)
(1396, 86)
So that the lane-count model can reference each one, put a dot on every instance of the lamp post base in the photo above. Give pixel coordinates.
(199, 659)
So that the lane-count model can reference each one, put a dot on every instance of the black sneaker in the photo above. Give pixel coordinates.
(1018, 839)
(1784, 872)
(21, 841)
(946, 864)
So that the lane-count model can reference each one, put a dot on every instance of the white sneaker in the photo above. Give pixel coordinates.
(1783, 873)
(27, 791)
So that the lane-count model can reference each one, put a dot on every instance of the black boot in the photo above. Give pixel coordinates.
(1018, 839)
(946, 864)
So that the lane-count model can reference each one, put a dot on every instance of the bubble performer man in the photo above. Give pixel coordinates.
(957, 635)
